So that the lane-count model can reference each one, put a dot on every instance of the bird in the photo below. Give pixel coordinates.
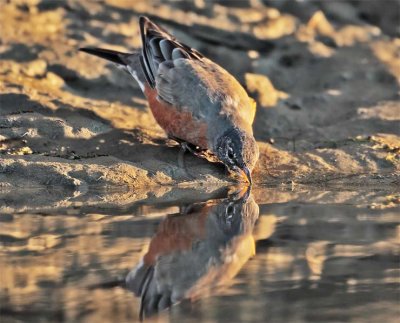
(195, 253)
(195, 101)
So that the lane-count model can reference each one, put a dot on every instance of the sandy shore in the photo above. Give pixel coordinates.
(325, 77)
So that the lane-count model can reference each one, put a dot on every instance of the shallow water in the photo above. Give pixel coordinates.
(275, 256)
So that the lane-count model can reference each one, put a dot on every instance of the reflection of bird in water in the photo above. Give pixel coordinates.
(194, 253)
(196, 102)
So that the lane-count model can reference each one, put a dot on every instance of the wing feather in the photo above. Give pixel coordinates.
(166, 47)
(158, 46)
(187, 80)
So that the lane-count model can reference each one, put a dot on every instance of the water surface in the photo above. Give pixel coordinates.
(272, 256)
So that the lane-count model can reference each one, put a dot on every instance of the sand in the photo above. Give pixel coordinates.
(325, 77)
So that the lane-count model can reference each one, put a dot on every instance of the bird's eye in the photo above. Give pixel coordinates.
(229, 210)
(230, 153)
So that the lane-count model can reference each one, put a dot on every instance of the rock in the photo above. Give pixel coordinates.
(54, 80)
(36, 68)
(263, 89)
(275, 28)
(320, 24)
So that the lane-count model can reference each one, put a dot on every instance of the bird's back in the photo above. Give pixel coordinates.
(211, 92)
(190, 96)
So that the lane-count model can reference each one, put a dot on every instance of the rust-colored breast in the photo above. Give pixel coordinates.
(176, 123)
(176, 234)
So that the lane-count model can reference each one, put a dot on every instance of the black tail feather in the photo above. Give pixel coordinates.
(108, 54)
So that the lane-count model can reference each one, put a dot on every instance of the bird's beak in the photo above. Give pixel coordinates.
(245, 174)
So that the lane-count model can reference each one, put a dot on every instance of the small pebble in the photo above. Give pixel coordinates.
(36, 68)
(54, 79)
(295, 106)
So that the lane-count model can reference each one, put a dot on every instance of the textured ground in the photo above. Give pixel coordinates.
(325, 76)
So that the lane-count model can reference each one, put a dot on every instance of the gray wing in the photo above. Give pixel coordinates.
(186, 79)
(158, 46)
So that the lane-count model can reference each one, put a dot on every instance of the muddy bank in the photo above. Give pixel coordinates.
(325, 77)
(320, 256)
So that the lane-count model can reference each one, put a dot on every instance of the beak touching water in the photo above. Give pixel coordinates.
(245, 174)
(242, 193)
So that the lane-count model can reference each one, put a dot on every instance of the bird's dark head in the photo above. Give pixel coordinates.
(238, 150)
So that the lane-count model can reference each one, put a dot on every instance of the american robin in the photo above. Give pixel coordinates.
(195, 253)
(193, 99)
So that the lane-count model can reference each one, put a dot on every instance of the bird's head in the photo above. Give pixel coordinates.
(238, 150)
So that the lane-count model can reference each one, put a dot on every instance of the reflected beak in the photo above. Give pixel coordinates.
(241, 192)
(245, 174)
